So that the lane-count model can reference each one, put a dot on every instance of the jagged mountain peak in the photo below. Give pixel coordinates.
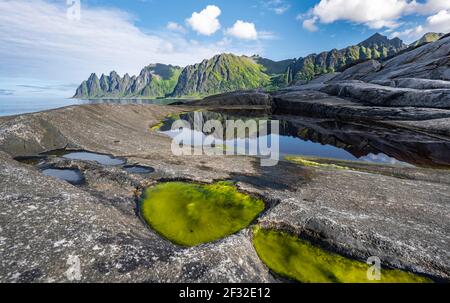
(155, 80)
(93, 76)
(378, 39)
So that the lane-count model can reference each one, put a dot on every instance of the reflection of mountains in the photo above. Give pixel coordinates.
(358, 138)
(361, 139)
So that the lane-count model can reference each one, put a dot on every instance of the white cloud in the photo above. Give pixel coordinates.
(279, 7)
(431, 6)
(243, 30)
(206, 22)
(310, 24)
(267, 35)
(175, 27)
(374, 14)
(438, 23)
(37, 41)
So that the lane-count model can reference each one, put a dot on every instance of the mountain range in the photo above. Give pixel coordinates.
(228, 72)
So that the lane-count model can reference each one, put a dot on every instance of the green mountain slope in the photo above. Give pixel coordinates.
(222, 73)
(311, 66)
(427, 38)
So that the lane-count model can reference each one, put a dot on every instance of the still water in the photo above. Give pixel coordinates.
(329, 138)
(10, 105)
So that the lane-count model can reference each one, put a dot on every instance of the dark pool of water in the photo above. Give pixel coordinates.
(138, 169)
(73, 176)
(106, 160)
(343, 140)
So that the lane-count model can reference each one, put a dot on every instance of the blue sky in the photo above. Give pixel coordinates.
(43, 50)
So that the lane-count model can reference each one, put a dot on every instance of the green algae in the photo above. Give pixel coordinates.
(157, 127)
(299, 260)
(309, 163)
(167, 121)
(190, 214)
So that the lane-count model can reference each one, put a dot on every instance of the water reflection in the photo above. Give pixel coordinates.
(73, 176)
(102, 159)
(328, 138)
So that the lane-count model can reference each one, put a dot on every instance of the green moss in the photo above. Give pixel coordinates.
(157, 126)
(304, 162)
(299, 260)
(191, 214)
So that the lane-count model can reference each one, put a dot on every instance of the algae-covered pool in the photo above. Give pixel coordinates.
(298, 259)
(190, 214)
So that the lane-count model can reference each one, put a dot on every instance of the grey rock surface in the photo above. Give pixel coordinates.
(241, 98)
(414, 83)
(49, 227)
(378, 95)
(430, 61)
(358, 71)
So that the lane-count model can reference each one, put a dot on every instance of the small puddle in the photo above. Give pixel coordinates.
(298, 259)
(190, 214)
(102, 159)
(73, 176)
(139, 169)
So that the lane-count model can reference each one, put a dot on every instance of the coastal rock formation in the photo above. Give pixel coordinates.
(377, 95)
(56, 232)
(154, 81)
(227, 72)
(413, 86)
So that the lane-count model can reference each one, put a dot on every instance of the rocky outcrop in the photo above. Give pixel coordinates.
(415, 83)
(430, 61)
(238, 98)
(377, 95)
(412, 83)
(357, 72)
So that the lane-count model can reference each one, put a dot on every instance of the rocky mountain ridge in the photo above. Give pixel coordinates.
(155, 80)
(227, 72)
